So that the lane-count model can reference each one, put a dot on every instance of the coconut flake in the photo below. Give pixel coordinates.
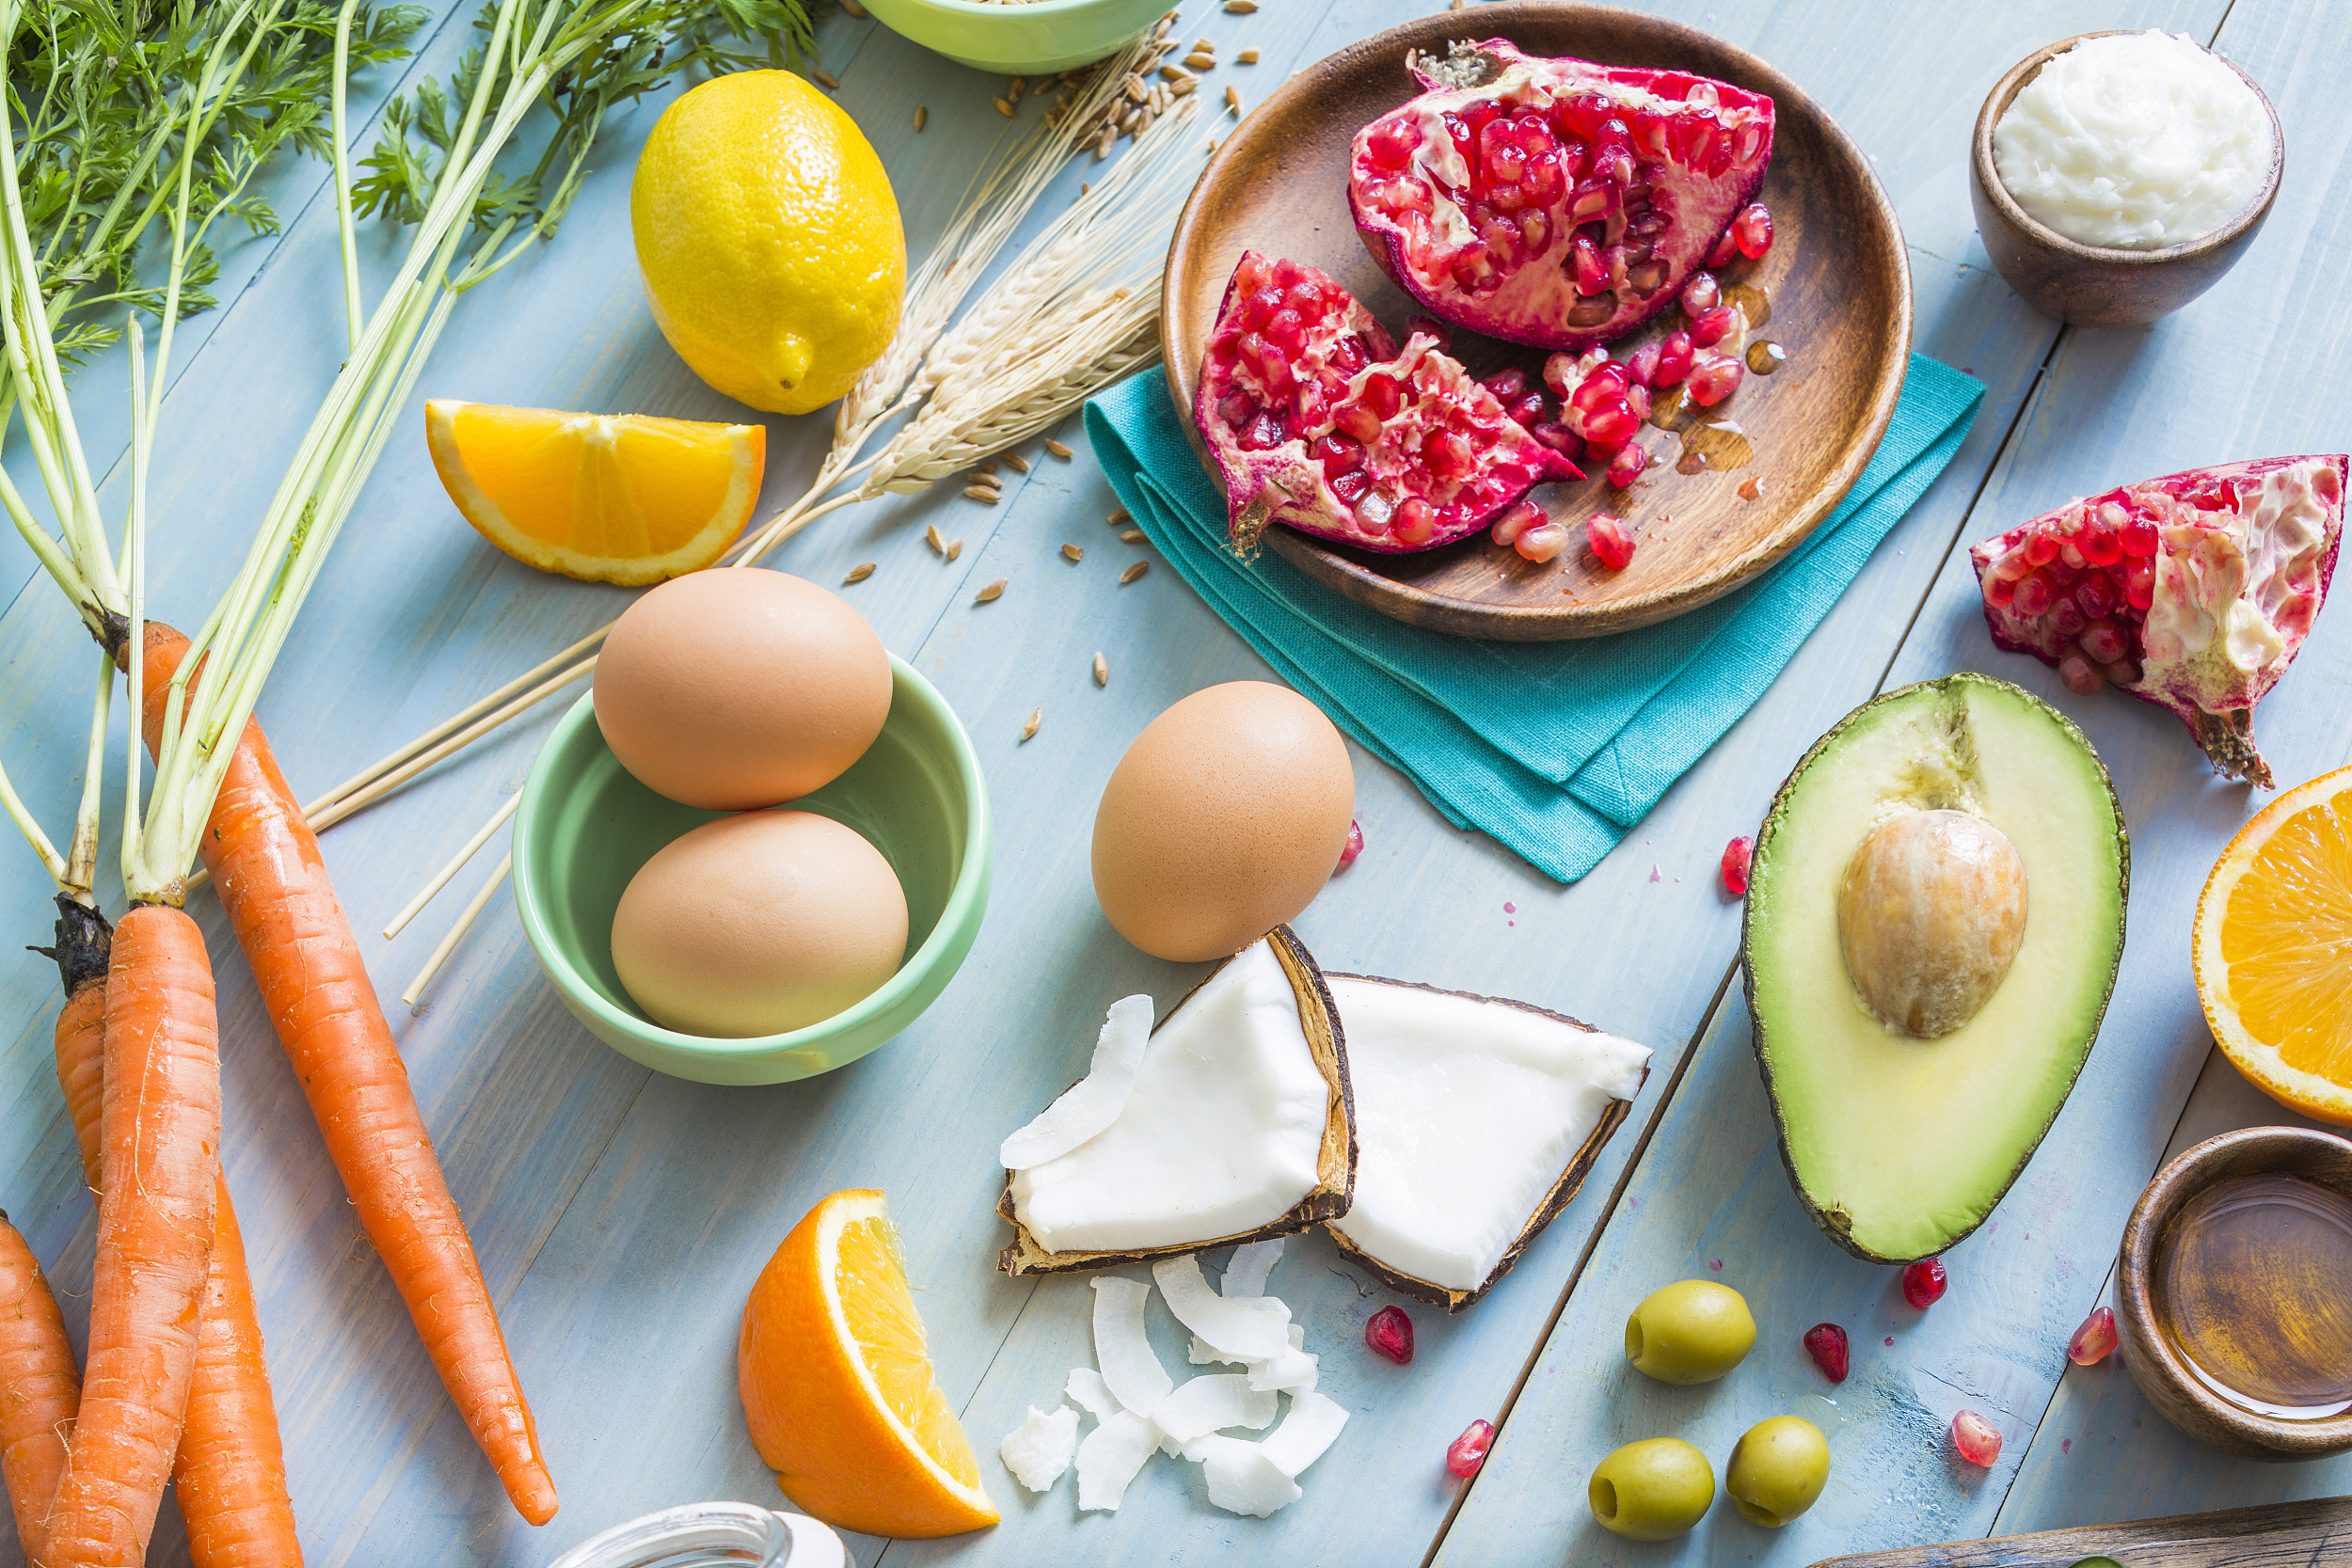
(1113, 1455)
(1212, 1403)
(1245, 1272)
(1094, 1102)
(1040, 1448)
(1293, 1372)
(1242, 1480)
(1304, 1434)
(1087, 1387)
(1251, 1327)
(1201, 1354)
(1133, 1374)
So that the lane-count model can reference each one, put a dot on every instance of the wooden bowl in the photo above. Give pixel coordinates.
(1836, 277)
(2156, 1363)
(2092, 285)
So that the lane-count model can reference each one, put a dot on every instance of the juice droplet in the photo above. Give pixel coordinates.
(1692, 461)
(1717, 444)
(1671, 409)
(1765, 357)
(1753, 303)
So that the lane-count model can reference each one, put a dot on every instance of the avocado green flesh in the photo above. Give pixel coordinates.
(1901, 1147)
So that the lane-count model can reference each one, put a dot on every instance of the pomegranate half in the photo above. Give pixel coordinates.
(2194, 592)
(1316, 420)
(1555, 202)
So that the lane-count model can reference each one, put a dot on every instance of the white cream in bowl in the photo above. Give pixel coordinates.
(2134, 141)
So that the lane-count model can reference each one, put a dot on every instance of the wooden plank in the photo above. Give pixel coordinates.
(2280, 1534)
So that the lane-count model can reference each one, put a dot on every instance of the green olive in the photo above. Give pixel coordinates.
(1652, 1490)
(1691, 1331)
(1777, 1470)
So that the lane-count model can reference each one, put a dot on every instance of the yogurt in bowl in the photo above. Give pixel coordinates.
(2134, 141)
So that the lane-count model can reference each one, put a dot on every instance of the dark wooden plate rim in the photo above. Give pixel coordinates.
(1471, 617)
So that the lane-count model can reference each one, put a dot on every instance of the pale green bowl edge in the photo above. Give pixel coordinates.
(1041, 36)
(802, 1052)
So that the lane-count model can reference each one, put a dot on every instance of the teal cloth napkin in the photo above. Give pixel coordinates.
(1554, 749)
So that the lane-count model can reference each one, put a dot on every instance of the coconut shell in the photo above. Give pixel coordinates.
(1571, 1180)
(1335, 1165)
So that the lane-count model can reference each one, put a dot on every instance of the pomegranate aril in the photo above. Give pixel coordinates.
(1559, 438)
(1466, 1454)
(1391, 1333)
(1826, 1343)
(2104, 641)
(1925, 1282)
(2139, 584)
(2138, 538)
(1701, 294)
(1715, 378)
(2097, 594)
(1676, 354)
(1605, 386)
(1752, 231)
(1610, 542)
(2065, 621)
(1391, 142)
(1737, 854)
(1507, 383)
(1382, 396)
(1544, 542)
(1627, 465)
(1237, 408)
(1643, 365)
(1726, 248)
(1517, 521)
(1354, 847)
(1338, 452)
(1709, 327)
(2093, 1340)
(1591, 276)
(2041, 549)
(2079, 675)
(1611, 426)
(1350, 486)
(1359, 422)
(1526, 410)
(2101, 546)
(1430, 327)
(1978, 1440)
(2034, 595)
(1416, 521)
(1999, 591)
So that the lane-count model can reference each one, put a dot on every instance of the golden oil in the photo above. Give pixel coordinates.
(2253, 1285)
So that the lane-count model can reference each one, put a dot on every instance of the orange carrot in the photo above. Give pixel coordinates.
(159, 1136)
(39, 1389)
(273, 881)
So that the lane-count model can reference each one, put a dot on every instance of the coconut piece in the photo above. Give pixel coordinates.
(1242, 1480)
(1212, 1403)
(1093, 1395)
(1094, 1102)
(1245, 1272)
(1240, 1128)
(1123, 1349)
(1201, 1354)
(1294, 1372)
(1309, 1428)
(1113, 1455)
(1248, 1327)
(1479, 1117)
(1040, 1448)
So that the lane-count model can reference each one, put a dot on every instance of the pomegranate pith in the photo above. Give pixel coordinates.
(1925, 1282)
(1556, 201)
(1978, 1440)
(1735, 866)
(1826, 1344)
(1466, 1454)
(2095, 1340)
(1390, 1332)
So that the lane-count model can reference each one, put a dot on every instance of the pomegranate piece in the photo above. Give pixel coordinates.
(1607, 536)
(1977, 1439)
(1734, 865)
(1544, 542)
(1466, 1454)
(1354, 847)
(1316, 420)
(1826, 1344)
(1391, 1333)
(2093, 1340)
(1925, 1282)
(1752, 230)
(2194, 592)
(1627, 466)
(1715, 377)
(1555, 202)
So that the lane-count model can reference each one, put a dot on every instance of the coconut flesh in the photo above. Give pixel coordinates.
(1469, 1111)
(1219, 1133)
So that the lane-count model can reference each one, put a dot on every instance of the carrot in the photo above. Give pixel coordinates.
(265, 864)
(159, 1136)
(231, 1471)
(39, 1389)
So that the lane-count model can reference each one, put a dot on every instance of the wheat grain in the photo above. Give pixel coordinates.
(1121, 517)
(1131, 536)
(827, 80)
(991, 593)
(937, 540)
(1102, 670)
(859, 572)
(1247, 56)
(1017, 463)
(1059, 449)
(922, 113)
(1036, 717)
(1134, 572)
(1073, 552)
(972, 492)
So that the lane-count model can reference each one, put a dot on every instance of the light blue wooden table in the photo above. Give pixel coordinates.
(621, 1215)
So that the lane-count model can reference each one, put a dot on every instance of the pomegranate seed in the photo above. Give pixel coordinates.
(1466, 1454)
(2079, 676)
(1544, 542)
(1715, 378)
(1416, 521)
(2139, 584)
(2091, 1342)
(1607, 536)
(1643, 366)
(2138, 538)
(2041, 549)
(2034, 597)
(2097, 594)
(1391, 1333)
(1354, 847)
(1753, 229)
(2101, 546)
(1675, 354)
(1607, 383)
(2066, 619)
(1517, 521)
(1925, 1282)
(1611, 426)
(1507, 383)
(1527, 411)
(1559, 438)
(1735, 867)
(1978, 1440)
(1701, 295)
(2103, 640)
(1430, 327)
(1998, 591)
(1708, 327)
(1726, 248)
(2123, 671)
(1637, 400)
(1826, 1343)
(1627, 465)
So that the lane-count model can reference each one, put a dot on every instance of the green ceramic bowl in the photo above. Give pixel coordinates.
(1020, 40)
(586, 825)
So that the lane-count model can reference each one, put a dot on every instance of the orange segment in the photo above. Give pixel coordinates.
(2273, 947)
(838, 1384)
(611, 497)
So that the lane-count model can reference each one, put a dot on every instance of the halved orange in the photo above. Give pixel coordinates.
(837, 1384)
(609, 497)
(2273, 947)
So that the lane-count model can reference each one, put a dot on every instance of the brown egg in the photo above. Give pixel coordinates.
(730, 690)
(758, 923)
(1223, 821)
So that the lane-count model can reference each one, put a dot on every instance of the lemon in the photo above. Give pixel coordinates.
(768, 240)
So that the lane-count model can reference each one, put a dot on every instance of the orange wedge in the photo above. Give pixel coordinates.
(838, 1387)
(609, 497)
(2273, 948)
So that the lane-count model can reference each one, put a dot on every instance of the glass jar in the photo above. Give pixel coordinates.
(711, 1535)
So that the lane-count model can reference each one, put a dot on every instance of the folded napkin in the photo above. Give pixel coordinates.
(1554, 749)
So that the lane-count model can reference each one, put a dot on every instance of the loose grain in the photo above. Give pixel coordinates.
(991, 593)
(859, 572)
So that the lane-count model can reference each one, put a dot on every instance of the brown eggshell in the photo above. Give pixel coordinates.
(1223, 821)
(759, 923)
(731, 689)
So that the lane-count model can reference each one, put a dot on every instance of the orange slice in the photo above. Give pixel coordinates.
(2273, 948)
(838, 1388)
(609, 497)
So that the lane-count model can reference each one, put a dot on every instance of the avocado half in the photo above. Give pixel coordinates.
(1899, 1146)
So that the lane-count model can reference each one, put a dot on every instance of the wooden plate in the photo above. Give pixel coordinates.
(1838, 287)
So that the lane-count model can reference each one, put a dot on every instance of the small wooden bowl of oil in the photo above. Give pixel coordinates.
(2235, 1293)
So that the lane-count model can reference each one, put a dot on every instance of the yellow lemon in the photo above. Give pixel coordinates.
(768, 240)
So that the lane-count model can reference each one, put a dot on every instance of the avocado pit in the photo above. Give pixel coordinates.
(1931, 914)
